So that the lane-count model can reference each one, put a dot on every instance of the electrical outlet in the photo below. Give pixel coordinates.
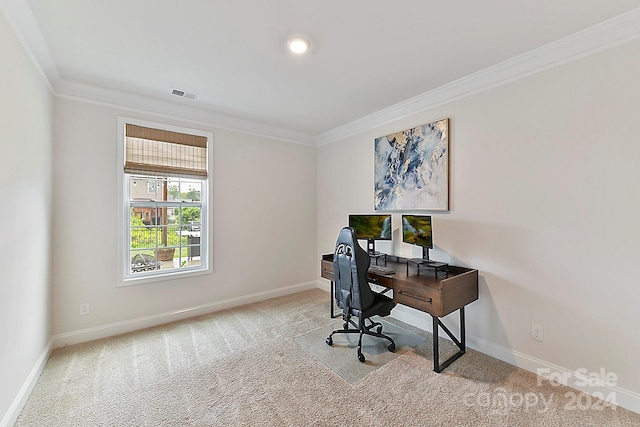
(537, 332)
(84, 309)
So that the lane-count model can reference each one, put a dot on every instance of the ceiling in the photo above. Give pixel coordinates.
(365, 55)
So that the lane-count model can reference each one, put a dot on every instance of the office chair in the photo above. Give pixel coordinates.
(353, 293)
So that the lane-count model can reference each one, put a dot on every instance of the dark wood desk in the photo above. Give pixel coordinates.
(435, 292)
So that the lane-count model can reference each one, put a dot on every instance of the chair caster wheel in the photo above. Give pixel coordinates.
(329, 341)
(361, 357)
(379, 330)
(392, 347)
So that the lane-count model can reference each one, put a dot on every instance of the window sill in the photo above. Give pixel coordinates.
(177, 275)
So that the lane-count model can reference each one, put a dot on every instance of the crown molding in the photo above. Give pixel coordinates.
(607, 34)
(618, 30)
(177, 108)
(25, 26)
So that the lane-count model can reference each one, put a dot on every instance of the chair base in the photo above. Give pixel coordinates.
(362, 329)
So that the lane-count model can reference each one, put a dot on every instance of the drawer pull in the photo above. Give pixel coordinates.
(428, 300)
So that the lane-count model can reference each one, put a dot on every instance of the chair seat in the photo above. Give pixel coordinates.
(382, 306)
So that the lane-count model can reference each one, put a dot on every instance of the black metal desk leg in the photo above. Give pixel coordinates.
(461, 344)
(463, 339)
(332, 302)
(436, 351)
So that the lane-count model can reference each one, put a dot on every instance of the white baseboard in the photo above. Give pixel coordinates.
(577, 380)
(580, 381)
(624, 398)
(90, 334)
(12, 414)
(117, 328)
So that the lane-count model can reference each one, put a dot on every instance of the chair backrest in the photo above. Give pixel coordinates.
(350, 265)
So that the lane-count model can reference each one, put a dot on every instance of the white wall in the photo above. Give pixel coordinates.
(264, 225)
(25, 219)
(545, 202)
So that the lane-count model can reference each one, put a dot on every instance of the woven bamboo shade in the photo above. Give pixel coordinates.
(159, 152)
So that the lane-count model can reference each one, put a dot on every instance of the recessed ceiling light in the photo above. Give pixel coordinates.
(298, 45)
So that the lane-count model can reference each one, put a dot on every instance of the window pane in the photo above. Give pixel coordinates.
(165, 226)
(146, 188)
(143, 261)
(173, 189)
(190, 232)
(191, 218)
(190, 190)
(143, 233)
(173, 235)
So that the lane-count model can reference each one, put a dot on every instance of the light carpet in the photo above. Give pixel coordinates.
(242, 367)
(342, 356)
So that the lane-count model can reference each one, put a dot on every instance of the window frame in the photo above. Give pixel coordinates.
(124, 275)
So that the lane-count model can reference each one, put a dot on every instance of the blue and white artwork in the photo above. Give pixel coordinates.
(411, 169)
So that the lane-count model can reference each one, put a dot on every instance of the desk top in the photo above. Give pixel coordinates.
(435, 292)
(424, 275)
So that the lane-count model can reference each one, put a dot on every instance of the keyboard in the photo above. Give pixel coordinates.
(381, 270)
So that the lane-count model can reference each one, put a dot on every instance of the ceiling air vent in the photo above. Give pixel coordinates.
(183, 94)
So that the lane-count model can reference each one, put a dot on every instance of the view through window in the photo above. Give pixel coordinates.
(166, 223)
(166, 200)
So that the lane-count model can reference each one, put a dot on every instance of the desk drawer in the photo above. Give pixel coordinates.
(326, 269)
(418, 296)
(385, 281)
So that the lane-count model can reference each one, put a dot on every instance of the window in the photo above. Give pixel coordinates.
(164, 200)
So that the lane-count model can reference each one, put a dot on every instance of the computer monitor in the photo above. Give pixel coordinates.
(416, 230)
(371, 228)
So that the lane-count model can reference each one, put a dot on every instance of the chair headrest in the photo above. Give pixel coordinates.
(347, 244)
(347, 236)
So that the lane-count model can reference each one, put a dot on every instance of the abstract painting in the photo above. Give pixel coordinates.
(411, 169)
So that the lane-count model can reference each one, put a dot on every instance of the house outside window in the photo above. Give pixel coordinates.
(165, 177)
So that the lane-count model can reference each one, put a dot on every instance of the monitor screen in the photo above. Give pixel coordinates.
(416, 230)
(371, 227)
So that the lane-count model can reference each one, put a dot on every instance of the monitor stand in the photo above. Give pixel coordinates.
(436, 265)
